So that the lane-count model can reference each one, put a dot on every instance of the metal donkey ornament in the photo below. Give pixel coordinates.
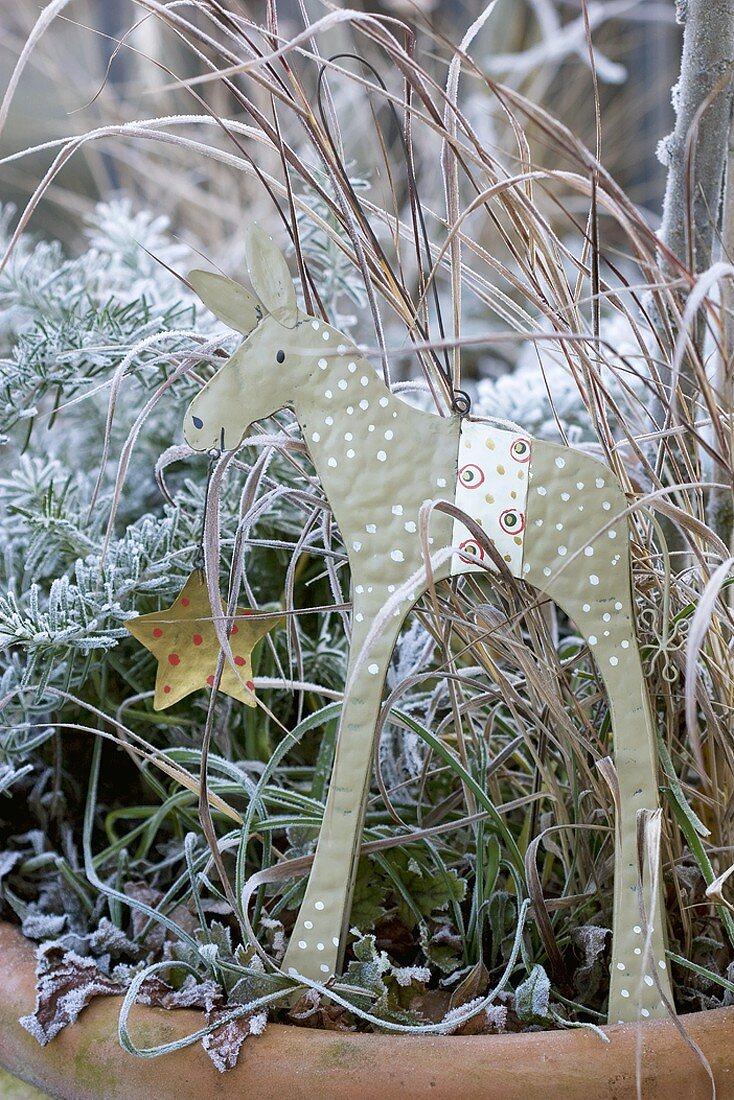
(556, 517)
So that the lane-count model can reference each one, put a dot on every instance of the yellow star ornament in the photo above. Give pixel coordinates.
(184, 641)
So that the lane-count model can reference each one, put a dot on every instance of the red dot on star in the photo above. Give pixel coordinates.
(197, 639)
(210, 680)
(174, 659)
(250, 686)
(157, 632)
(167, 689)
(235, 630)
(185, 602)
(240, 661)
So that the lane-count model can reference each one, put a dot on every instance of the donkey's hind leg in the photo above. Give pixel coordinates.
(639, 973)
(577, 553)
(316, 946)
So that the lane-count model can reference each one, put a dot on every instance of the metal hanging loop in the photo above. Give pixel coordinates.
(461, 403)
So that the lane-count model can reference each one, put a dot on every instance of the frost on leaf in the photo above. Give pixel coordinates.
(192, 994)
(65, 984)
(42, 926)
(532, 997)
(591, 938)
(223, 1045)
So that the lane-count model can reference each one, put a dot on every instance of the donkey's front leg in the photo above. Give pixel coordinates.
(316, 946)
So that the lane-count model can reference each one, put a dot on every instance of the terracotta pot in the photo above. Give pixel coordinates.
(85, 1062)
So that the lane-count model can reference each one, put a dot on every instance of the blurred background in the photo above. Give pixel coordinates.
(77, 80)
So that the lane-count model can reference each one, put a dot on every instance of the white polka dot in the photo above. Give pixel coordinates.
(359, 617)
(526, 568)
(335, 941)
(328, 395)
(348, 436)
(661, 964)
(538, 523)
(589, 550)
(586, 607)
(648, 980)
(612, 534)
(606, 505)
(364, 380)
(323, 364)
(565, 496)
(332, 462)
(441, 482)
(343, 383)
(341, 348)
(351, 367)
(319, 947)
(308, 924)
(541, 490)
(373, 669)
(562, 551)
(350, 453)
(391, 588)
(397, 555)
(364, 404)
(318, 905)
(620, 966)
(370, 528)
(359, 588)
(600, 483)
(644, 1012)
(350, 410)
(315, 326)
(624, 992)
(606, 617)
(384, 402)
(397, 509)
(324, 968)
(410, 526)
(592, 639)
(381, 456)
(614, 661)
(593, 579)
(559, 527)
(579, 485)
(389, 434)
(316, 437)
(302, 944)
(638, 951)
(357, 545)
(618, 606)
(329, 420)
(325, 335)
(546, 572)
(637, 930)
(560, 462)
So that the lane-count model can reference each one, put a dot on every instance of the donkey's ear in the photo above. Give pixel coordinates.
(270, 276)
(228, 300)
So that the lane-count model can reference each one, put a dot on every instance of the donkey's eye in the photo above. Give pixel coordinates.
(280, 356)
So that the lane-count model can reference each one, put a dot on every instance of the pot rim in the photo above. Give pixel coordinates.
(86, 1062)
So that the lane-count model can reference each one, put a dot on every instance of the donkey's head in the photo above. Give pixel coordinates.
(256, 381)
